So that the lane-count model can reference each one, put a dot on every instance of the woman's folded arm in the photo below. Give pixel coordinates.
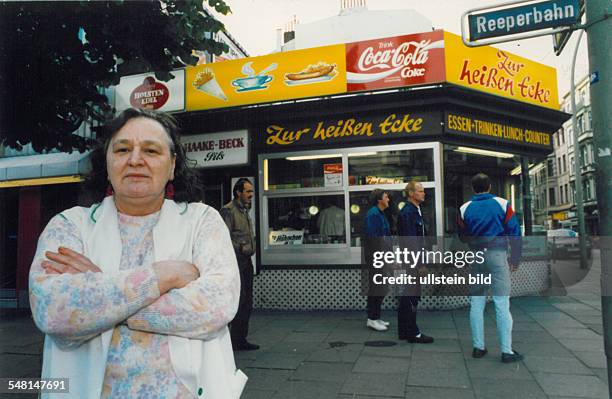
(73, 308)
(201, 308)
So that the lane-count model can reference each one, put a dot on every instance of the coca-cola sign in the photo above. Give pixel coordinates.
(395, 61)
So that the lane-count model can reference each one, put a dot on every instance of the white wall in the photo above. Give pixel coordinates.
(359, 24)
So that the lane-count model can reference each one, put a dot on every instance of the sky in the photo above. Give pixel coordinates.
(253, 24)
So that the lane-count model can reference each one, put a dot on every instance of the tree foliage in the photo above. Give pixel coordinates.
(55, 57)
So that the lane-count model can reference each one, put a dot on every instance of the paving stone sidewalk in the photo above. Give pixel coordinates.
(323, 354)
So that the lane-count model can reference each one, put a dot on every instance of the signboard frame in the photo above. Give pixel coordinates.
(210, 147)
(465, 31)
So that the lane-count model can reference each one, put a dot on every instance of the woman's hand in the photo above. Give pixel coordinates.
(65, 260)
(174, 274)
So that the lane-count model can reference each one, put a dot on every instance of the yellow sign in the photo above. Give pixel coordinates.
(559, 216)
(499, 72)
(275, 77)
(456, 123)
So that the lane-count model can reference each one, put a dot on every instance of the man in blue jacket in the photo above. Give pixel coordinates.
(377, 233)
(487, 223)
(411, 228)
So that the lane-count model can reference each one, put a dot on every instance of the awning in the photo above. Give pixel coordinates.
(26, 170)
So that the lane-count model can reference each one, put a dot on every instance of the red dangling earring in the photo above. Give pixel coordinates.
(170, 191)
(109, 190)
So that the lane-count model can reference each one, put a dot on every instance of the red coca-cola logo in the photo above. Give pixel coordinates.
(150, 94)
(405, 55)
(396, 61)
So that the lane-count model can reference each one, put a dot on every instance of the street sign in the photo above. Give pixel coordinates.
(560, 39)
(518, 20)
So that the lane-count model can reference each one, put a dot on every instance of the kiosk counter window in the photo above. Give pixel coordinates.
(313, 204)
(461, 163)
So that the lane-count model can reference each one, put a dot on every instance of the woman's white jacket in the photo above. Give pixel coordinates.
(207, 368)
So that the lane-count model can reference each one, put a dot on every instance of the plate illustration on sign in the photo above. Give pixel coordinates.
(206, 82)
(150, 94)
(319, 72)
(254, 81)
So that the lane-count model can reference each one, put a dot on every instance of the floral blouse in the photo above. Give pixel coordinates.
(73, 308)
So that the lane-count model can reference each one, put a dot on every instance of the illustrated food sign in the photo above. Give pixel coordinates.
(501, 73)
(394, 125)
(525, 18)
(144, 91)
(217, 149)
(424, 58)
(495, 130)
(396, 61)
(275, 77)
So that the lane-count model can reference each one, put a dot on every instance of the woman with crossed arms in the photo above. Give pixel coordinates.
(135, 293)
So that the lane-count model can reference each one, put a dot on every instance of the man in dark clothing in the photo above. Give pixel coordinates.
(411, 228)
(376, 231)
(236, 217)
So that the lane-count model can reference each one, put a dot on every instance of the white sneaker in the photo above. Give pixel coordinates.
(376, 325)
(386, 323)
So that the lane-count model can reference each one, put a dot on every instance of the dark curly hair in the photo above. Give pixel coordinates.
(187, 187)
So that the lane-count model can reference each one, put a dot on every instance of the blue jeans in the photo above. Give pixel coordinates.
(495, 264)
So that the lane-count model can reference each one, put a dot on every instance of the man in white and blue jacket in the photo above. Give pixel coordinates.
(488, 224)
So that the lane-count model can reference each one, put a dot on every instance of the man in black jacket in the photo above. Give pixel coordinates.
(411, 228)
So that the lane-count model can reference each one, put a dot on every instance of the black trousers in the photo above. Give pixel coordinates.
(373, 307)
(239, 327)
(406, 317)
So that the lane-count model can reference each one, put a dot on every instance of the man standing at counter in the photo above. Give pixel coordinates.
(487, 223)
(377, 235)
(236, 216)
(411, 228)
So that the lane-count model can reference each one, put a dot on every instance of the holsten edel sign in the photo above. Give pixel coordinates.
(217, 149)
(146, 92)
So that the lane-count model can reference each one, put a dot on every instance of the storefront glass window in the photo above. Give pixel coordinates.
(390, 167)
(313, 204)
(360, 204)
(304, 220)
(304, 172)
(460, 167)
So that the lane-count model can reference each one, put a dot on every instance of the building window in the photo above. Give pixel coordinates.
(559, 165)
(586, 190)
(564, 163)
(583, 156)
(572, 191)
(571, 165)
(562, 134)
(550, 164)
(580, 123)
(567, 200)
(551, 196)
(589, 119)
(561, 199)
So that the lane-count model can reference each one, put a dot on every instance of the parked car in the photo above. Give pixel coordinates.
(565, 243)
